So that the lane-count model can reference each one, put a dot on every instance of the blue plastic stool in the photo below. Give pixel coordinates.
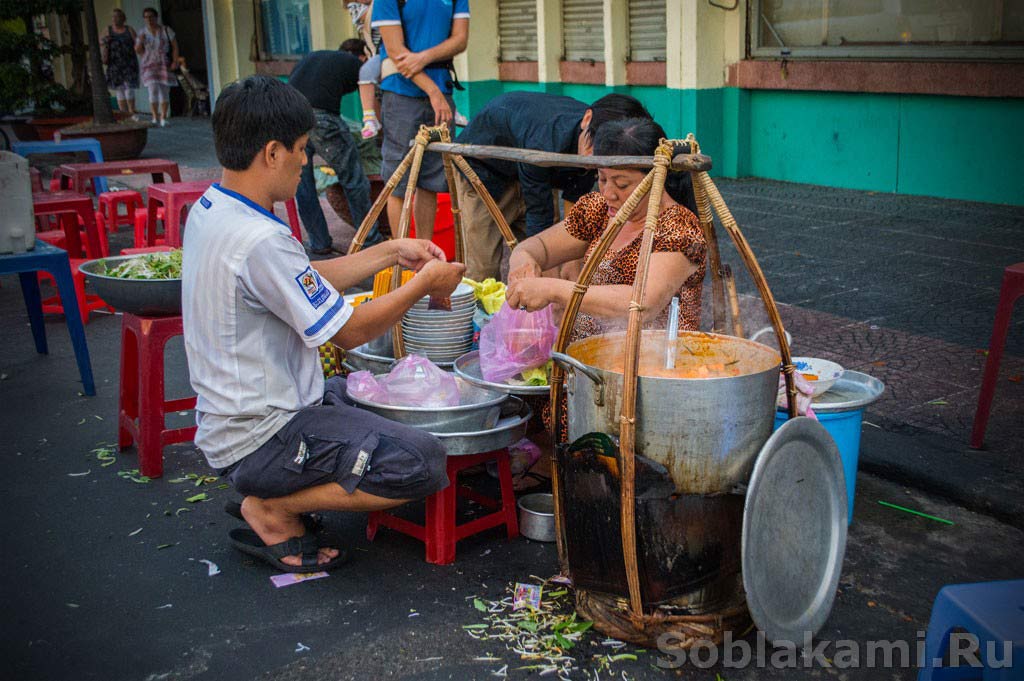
(992, 611)
(55, 261)
(86, 144)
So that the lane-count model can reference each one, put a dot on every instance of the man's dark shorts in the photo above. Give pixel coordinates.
(337, 442)
(402, 117)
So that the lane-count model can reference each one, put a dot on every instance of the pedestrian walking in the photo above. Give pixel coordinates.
(117, 47)
(157, 48)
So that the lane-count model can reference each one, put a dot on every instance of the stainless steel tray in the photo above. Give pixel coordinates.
(468, 367)
(511, 428)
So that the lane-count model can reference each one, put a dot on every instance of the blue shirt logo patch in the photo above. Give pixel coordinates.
(313, 287)
(205, 202)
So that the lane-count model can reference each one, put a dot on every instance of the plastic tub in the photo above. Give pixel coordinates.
(841, 411)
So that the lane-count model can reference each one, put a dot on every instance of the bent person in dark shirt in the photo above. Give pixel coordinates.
(529, 120)
(324, 77)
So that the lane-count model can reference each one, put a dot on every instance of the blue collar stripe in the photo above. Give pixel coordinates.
(252, 204)
(328, 316)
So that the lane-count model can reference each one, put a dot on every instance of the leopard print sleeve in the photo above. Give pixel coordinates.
(679, 231)
(587, 219)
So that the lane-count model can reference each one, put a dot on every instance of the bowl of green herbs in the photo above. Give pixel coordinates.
(148, 285)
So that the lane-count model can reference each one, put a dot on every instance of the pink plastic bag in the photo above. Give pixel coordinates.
(363, 385)
(514, 341)
(414, 381)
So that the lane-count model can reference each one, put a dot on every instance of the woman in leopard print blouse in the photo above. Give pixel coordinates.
(677, 261)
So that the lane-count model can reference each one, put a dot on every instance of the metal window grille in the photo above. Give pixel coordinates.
(517, 30)
(647, 30)
(583, 30)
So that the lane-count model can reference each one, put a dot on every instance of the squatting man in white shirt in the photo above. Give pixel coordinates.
(255, 309)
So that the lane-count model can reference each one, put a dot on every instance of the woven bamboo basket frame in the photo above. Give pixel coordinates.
(671, 155)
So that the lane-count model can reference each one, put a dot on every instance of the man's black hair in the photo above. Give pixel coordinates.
(612, 108)
(150, 9)
(253, 112)
(640, 137)
(354, 46)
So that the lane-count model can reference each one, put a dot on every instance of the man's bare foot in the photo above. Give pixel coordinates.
(274, 526)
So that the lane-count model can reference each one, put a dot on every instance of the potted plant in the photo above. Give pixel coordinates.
(119, 139)
(27, 86)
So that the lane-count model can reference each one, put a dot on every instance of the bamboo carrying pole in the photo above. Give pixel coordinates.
(682, 161)
(449, 176)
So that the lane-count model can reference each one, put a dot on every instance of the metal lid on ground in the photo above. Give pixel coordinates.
(794, 531)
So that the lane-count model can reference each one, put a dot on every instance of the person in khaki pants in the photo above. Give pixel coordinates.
(523, 192)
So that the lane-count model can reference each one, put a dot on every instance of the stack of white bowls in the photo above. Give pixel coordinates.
(440, 335)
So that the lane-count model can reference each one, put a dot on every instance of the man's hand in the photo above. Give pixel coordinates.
(415, 253)
(528, 270)
(410, 63)
(442, 277)
(531, 294)
(442, 112)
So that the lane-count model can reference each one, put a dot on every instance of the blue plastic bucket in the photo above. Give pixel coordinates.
(844, 427)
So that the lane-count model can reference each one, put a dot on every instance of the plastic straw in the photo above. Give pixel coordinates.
(673, 334)
(918, 513)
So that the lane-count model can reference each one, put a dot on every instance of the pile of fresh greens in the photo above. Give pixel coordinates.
(149, 266)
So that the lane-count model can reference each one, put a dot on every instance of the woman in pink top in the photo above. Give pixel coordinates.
(158, 56)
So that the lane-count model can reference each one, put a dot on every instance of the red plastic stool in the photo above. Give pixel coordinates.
(143, 406)
(141, 221)
(440, 532)
(110, 203)
(1012, 289)
(87, 302)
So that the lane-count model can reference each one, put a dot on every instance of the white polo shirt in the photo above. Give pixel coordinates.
(254, 313)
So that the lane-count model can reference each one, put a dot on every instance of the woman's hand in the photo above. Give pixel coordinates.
(534, 293)
(415, 253)
(528, 270)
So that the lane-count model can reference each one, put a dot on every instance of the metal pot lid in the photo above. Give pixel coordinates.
(794, 531)
(853, 390)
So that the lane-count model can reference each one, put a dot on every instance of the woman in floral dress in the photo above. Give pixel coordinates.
(158, 56)
(117, 48)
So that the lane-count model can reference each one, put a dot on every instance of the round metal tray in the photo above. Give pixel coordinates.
(468, 367)
(794, 531)
(853, 390)
(362, 359)
(511, 428)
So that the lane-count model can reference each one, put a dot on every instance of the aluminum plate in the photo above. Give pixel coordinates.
(794, 531)
(468, 367)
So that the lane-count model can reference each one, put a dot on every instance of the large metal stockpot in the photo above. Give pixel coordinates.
(706, 431)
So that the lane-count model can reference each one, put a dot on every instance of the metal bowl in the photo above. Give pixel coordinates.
(363, 358)
(145, 297)
(468, 367)
(537, 516)
(479, 409)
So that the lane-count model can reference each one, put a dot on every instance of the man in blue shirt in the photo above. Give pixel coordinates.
(420, 36)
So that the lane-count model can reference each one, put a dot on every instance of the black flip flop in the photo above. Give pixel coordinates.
(307, 546)
(311, 521)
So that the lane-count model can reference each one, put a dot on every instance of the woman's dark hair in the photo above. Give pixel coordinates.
(354, 46)
(613, 108)
(253, 112)
(640, 137)
(150, 9)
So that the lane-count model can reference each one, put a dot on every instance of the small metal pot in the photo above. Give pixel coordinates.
(537, 517)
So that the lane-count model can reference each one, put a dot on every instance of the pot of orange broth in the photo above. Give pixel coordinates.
(704, 421)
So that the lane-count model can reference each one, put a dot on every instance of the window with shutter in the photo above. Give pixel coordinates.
(517, 30)
(583, 28)
(647, 30)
